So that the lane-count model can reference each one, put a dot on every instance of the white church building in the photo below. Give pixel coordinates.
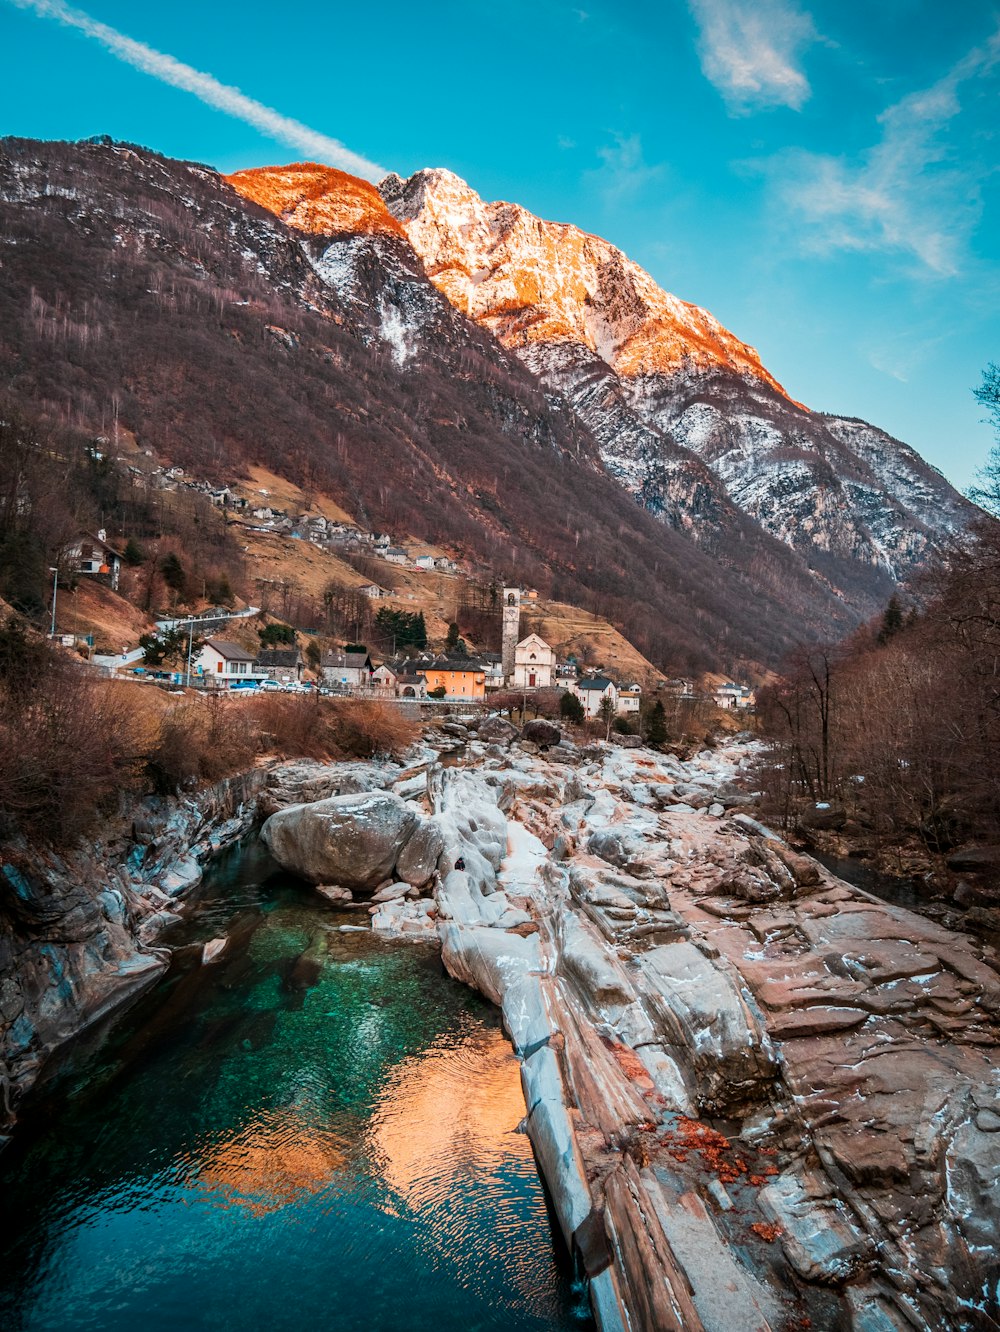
(534, 663)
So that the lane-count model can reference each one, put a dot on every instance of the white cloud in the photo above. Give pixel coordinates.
(624, 171)
(209, 90)
(914, 192)
(750, 51)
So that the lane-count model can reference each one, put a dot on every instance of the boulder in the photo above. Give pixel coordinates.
(390, 892)
(454, 729)
(823, 817)
(618, 848)
(350, 840)
(304, 781)
(541, 732)
(497, 731)
(419, 857)
(975, 860)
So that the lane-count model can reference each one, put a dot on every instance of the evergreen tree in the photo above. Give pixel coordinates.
(987, 493)
(134, 554)
(892, 620)
(173, 572)
(276, 634)
(570, 708)
(656, 726)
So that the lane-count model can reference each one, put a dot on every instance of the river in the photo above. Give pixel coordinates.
(316, 1131)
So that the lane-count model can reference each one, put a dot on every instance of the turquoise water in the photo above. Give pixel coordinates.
(317, 1131)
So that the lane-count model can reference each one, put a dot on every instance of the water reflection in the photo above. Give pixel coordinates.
(316, 1130)
(271, 1162)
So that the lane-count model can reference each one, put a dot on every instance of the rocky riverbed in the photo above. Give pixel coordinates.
(79, 931)
(760, 1098)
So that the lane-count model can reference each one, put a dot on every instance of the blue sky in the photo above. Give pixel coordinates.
(822, 176)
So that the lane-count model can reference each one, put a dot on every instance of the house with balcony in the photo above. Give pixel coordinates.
(89, 554)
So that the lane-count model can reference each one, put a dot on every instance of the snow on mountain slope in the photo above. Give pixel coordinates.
(533, 281)
(669, 392)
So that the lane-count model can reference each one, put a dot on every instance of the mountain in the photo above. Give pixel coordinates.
(661, 384)
(290, 317)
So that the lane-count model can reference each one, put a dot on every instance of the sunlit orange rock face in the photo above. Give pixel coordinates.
(317, 199)
(532, 281)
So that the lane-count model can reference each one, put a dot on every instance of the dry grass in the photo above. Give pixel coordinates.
(204, 739)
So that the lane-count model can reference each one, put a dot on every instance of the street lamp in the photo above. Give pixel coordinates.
(54, 571)
(187, 682)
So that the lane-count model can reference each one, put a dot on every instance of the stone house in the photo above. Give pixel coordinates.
(411, 684)
(384, 680)
(350, 669)
(282, 664)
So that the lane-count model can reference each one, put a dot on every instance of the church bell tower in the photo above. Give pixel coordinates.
(511, 628)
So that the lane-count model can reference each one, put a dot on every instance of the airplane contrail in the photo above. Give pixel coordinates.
(209, 90)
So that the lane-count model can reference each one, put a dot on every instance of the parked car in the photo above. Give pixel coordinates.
(272, 686)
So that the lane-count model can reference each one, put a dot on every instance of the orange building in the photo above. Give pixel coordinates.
(463, 678)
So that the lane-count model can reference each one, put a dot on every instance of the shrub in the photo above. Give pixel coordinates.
(67, 751)
(273, 634)
(295, 727)
(364, 728)
(203, 739)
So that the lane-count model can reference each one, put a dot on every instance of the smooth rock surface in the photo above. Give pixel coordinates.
(350, 840)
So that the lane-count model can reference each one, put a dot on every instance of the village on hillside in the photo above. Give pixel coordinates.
(526, 666)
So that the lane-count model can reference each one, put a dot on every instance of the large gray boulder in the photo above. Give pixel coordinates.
(541, 732)
(350, 840)
(419, 857)
(497, 731)
(304, 781)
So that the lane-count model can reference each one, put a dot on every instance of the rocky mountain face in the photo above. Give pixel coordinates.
(664, 387)
(461, 372)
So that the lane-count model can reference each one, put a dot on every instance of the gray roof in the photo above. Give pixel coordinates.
(349, 661)
(599, 682)
(444, 663)
(231, 651)
(279, 657)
